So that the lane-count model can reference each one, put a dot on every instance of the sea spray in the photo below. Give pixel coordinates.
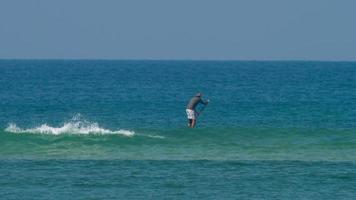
(77, 125)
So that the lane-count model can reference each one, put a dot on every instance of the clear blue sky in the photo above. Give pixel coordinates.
(179, 29)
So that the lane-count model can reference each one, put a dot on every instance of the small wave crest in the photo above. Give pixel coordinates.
(75, 126)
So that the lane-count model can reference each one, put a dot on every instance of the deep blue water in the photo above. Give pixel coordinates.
(80, 129)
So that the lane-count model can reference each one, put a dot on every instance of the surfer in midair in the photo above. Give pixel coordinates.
(192, 113)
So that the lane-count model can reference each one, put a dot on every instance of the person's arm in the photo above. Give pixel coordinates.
(204, 102)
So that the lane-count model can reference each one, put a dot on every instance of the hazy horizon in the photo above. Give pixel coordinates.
(277, 30)
(193, 60)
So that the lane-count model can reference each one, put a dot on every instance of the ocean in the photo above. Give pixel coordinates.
(116, 129)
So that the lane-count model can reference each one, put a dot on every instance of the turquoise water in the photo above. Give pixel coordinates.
(77, 129)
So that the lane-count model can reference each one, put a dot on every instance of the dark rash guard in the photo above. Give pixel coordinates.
(194, 102)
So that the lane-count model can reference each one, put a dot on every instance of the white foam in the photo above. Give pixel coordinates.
(75, 126)
(155, 136)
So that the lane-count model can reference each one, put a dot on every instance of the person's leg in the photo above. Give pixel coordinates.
(193, 123)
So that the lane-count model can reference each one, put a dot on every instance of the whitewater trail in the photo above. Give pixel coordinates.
(68, 128)
(76, 125)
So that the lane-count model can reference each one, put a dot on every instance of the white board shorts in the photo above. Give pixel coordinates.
(190, 114)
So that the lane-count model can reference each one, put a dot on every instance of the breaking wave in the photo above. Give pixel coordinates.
(74, 126)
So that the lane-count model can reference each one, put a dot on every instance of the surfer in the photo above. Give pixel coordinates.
(192, 114)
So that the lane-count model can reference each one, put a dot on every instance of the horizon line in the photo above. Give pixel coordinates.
(164, 59)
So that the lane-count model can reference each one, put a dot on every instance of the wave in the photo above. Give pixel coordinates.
(229, 143)
(210, 143)
(76, 126)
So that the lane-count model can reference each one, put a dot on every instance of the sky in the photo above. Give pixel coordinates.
(178, 29)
